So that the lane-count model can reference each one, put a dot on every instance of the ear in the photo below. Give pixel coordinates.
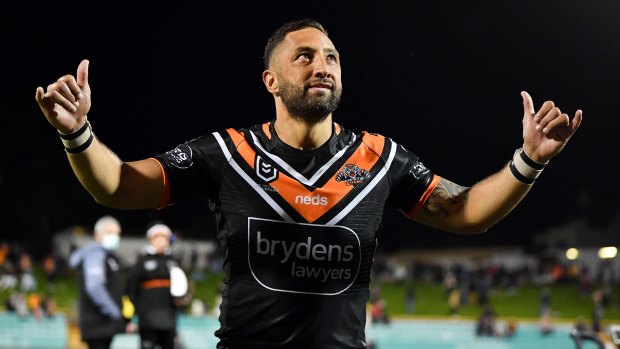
(270, 79)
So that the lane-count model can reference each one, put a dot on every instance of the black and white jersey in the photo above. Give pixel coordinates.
(148, 288)
(297, 229)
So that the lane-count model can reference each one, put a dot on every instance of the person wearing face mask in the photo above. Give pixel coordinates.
(151, 288)
(99, 285)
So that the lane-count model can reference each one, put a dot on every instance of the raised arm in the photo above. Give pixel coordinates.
(111, 182)
(475, 209)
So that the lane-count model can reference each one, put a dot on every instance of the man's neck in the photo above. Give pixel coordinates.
(301, 135)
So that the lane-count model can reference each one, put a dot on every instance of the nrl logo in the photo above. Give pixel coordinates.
(352, 175)
(264, 170)
(180, 157)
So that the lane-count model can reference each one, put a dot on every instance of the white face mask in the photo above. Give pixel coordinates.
(111, 242)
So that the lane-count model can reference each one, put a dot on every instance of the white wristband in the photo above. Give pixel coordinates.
(524, 168)
(79, 140)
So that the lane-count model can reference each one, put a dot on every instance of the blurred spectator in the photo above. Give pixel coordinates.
(27, 281)
(399, 272)
(580, 324)
(454, 301)
(512, 328)
(452, 292)
(545, 300)
(149, 288)
(464, 283)
(605, 272)
(606, 297)
(99, 285)
(50, 269)
(410, 297)
(598, 311)
(573, 272)
(49, 305)
(557, 271)
(4, 253)
(483, 284)
(34, 305)
(545, 321)
(513, 282)
(378, 312)
(486, 322)
(585, 282)
(16, 303)
(8, 280)
(449, 282)
(505, 328)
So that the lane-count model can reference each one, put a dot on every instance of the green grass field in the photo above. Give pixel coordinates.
(431, 299)
(566, 303)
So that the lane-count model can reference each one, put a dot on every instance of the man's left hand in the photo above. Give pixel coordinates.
(546, 132)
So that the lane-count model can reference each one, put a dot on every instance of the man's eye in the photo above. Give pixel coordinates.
(332, 58)
(304, 57)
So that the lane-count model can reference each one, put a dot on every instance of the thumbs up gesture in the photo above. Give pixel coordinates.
(546, 131)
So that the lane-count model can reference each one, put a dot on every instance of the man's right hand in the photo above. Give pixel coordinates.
(66, 101)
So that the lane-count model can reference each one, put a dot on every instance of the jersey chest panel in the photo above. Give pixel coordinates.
(289, 237)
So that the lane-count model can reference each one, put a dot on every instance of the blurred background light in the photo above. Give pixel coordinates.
(608, 252)
(572, 254)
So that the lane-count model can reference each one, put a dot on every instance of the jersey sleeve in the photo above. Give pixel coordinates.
(191, 168)
(412, 182)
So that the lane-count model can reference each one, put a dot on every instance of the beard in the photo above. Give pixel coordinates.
(309, 108)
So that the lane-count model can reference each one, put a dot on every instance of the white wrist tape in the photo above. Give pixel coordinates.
(79, 140)
(524, 168)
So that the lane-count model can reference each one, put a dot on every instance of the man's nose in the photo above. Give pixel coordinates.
(321, 67)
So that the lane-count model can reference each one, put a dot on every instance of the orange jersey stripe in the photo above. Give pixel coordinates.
(156, 283)
(266, 129)
(294, 192)
(242, 146)
(164, 198)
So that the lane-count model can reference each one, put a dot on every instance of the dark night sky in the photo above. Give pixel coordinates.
(442, 78)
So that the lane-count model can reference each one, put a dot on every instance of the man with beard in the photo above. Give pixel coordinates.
(298, 200)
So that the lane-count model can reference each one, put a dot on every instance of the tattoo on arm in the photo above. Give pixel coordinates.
(445, 198)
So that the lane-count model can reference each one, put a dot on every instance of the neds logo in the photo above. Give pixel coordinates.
(311, 200)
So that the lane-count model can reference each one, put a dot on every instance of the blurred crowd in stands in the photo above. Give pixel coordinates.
(467, 285)
(463, 284)
(26, 294)
(18, 279)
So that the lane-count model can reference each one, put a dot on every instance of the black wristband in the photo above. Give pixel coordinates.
(79, 140)
(523, 168)
(82, 147)
(76, 134)
(533, 164)
(518, 174)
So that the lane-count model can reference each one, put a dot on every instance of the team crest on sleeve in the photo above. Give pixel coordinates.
(352, 174)
(180, 157)
(418, 170)
(265, 170)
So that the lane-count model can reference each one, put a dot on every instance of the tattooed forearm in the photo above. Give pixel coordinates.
(445, 199)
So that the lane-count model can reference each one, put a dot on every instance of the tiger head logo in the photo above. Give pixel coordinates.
(352, 174)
